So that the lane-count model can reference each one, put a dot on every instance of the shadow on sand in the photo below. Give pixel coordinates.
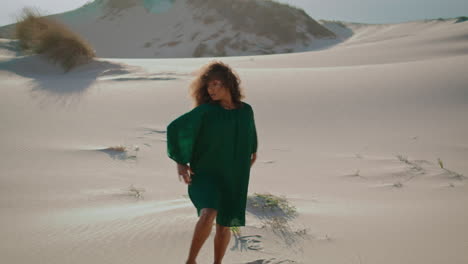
(49, 81)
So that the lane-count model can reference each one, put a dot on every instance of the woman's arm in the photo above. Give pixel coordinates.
(253, 158)
(186, 172)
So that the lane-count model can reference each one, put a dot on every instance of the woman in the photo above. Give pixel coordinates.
(218, 139)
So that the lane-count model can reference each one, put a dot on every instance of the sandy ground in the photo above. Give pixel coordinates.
(350, 135)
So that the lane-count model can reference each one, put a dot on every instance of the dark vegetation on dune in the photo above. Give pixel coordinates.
(274, 20)
(461, 19)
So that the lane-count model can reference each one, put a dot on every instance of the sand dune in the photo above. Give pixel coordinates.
(192, 28)
(356, 131)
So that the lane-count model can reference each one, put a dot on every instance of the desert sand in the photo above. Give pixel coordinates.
(351, 135)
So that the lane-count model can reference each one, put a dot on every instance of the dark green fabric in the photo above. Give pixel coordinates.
(218, 144)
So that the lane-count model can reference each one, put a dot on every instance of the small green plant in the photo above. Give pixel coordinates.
(273, 203)
(452, 174)
(441, 164)
(275, 213)
(236, 230)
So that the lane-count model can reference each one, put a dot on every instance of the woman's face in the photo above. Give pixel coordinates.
(217, 91)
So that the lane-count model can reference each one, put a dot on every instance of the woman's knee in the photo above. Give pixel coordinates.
(208, 214)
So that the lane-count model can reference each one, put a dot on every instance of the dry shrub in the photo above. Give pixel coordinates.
(27, 28)
(46, 36)
(119, 148)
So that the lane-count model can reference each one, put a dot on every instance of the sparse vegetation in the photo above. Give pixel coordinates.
(137, 192)
(118, 148)
(272, 202)
(461, 19)
(403, 158)
(414, 166)
(441, 164)
(452, 174)
(277, 21)
(236, 230)
(42, 35)
(275, 213)
(340, 23)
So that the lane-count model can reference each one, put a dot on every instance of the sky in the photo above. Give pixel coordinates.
(362, 11)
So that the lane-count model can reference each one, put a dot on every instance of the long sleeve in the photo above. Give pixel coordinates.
(182, 135)
(254, 135)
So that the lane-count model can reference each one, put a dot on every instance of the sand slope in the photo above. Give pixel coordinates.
(193, 28)
(351, 135)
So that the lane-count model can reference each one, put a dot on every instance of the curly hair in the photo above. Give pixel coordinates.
(215, 70)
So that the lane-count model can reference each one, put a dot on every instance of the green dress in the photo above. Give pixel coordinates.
(218, 144)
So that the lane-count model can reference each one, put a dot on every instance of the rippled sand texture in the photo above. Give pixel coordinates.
(367, 139)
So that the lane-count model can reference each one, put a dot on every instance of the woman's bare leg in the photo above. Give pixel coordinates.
(201, 233)
(221, 241)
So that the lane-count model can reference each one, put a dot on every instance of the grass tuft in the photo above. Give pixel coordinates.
(272, 202)
(452, 174)
(118, 148)
(236, 230)
(42, 35)
(441, 164)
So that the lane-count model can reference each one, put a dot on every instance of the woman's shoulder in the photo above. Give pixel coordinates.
(247, 106)
(212, 106)
(203, 107)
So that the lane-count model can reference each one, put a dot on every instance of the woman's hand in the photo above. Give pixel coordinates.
(185, 171)
(253, 158)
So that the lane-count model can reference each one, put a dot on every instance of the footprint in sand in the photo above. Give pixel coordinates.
(271, 261)
(357, 174)
(117, 154)
(151, 131)
(156, 131)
